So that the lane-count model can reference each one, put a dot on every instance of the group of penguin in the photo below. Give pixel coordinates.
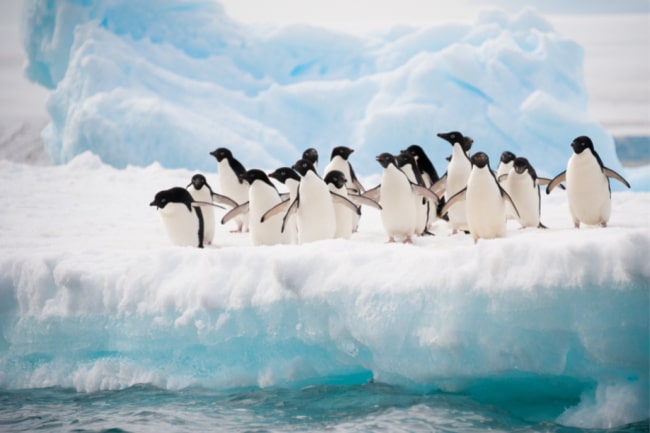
(472, 197)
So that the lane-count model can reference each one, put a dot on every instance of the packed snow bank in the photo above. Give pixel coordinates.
(92, 297)
(171, 81)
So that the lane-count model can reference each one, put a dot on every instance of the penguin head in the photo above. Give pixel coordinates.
(507, 157)
(480, 160)
(336, 178)
(221, 153)
(416, 151)
(385, 159)
(172, 195)
(284, 173)
(521, 165)
(467, 143)
(255, 175)
(198, 181)
(342, 151)
(452, 137)
(405, 157)
(581, 143)
(311, 155)
(303, 166)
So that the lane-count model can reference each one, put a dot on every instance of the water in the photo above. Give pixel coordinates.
(342, 408)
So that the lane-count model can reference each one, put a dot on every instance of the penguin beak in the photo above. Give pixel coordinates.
(153, 203)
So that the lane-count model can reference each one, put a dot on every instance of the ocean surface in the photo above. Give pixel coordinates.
(337, 407)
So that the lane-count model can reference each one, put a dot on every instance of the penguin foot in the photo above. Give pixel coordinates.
(603, 224)
(391, 240)
(408, 240)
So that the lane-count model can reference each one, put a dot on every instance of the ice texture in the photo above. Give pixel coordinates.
(169, 80)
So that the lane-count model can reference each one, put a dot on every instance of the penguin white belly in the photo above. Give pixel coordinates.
(587, 190)
(181, 225)
(525, 195)
(316, 218)
(457, 174)
(204, 194)
(398, 204)
(231, 187)
(263, 197)
(486, 214)
(344, 224)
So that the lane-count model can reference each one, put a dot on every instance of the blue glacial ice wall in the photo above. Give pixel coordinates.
(170, 80)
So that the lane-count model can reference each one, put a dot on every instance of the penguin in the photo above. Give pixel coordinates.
(395, 193)
(458, 172)
(336, 182)
(485, 201)
(339, 160)
(201, 191)
(231, 182)
(424, 164)
(181, 216)
(313, 206)
(291, 179)
(587, 184)
(505, 164)
(407, 163)
(311, 155)
(523, 188)
(262, 196)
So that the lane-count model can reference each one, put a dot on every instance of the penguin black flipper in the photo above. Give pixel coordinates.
(426, 193)
(454, 199)
(512, 202)
(223, 199)
(373, 193)
(545, 181)
(338, 198)
(355, 181)
(556, 181)
(362, 200)
(293, 208)
(611, 173)
(199, 203)
(283, 205)
(237, 210)
(440, 186)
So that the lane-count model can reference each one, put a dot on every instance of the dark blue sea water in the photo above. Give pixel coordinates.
(342, 408)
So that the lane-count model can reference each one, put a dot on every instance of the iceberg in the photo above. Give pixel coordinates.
(93, 297)
(169, 81)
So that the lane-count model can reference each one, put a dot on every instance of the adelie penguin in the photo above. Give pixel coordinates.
(458, 171)
(523, 188)
(587, 184)
(339, 161)
(407, 163)
(262, 196)
(231, 182)
(484, 201)
(181, 216)
(201, 191)
(290, 179)
(396, 197)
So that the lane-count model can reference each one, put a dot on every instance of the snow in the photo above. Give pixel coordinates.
(94, 297)
(168, 84)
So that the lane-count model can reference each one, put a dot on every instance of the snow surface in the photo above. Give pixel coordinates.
(138, 84)
(94, 297)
